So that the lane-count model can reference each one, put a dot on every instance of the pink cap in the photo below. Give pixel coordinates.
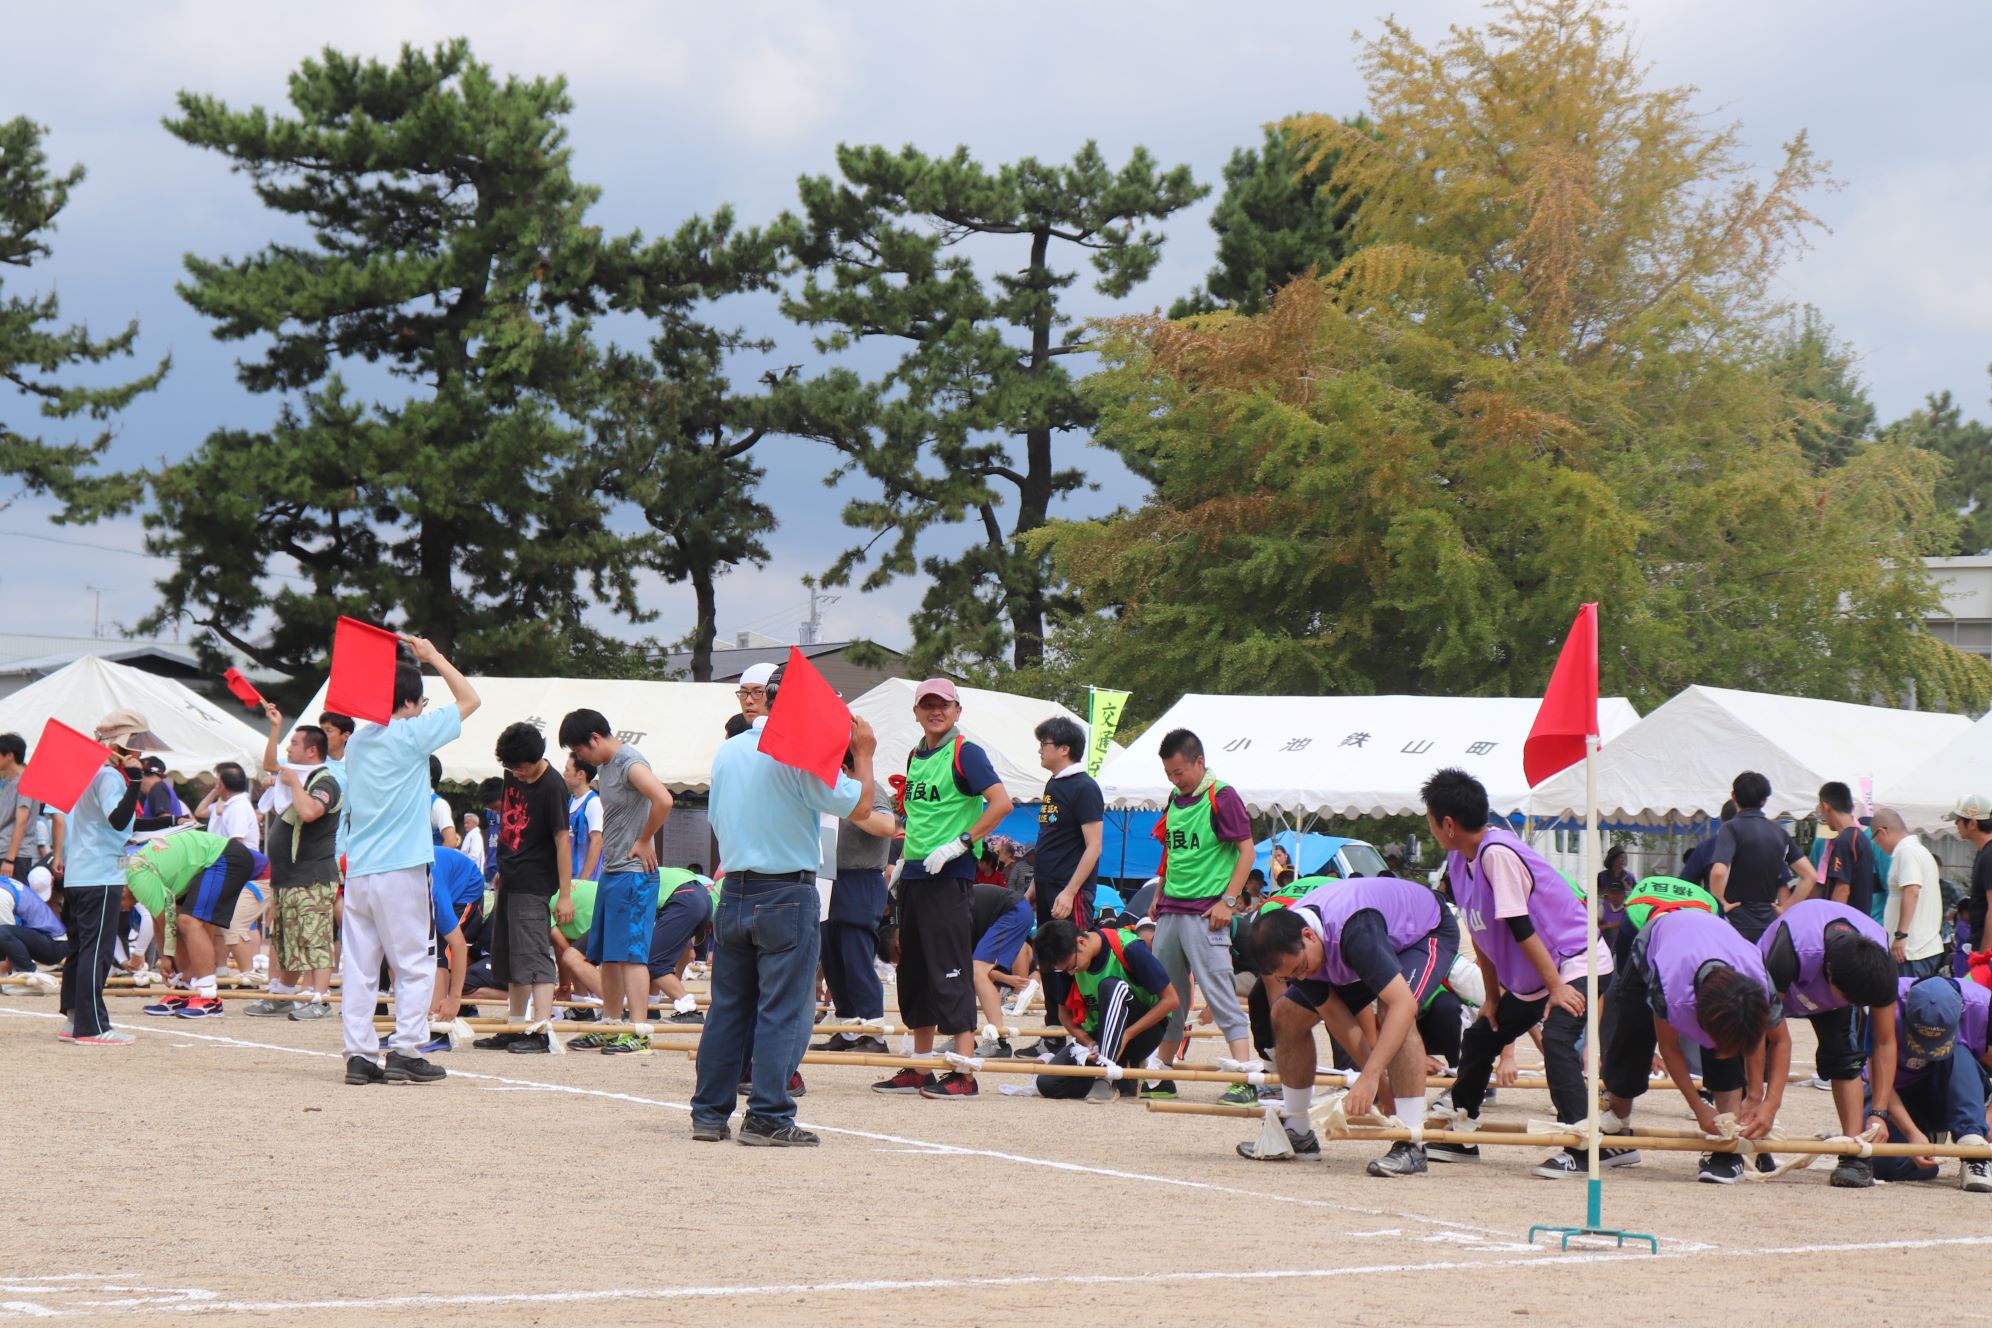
(940, 687)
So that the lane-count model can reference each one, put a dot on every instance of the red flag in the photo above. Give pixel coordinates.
(809, 726)
(63, 764)
(362, 682)
(1569, 712)
(245, 691)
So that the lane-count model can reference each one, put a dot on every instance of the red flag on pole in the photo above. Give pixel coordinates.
(244, 690)
(63, 764)
(362, 682)
(1569, 712)
(809, 726)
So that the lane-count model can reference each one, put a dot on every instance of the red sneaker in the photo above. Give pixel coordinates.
(955, 1085)
(908, 1080)
(202, 1007)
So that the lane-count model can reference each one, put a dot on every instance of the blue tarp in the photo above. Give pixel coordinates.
(1128, 847)
(1308, 852)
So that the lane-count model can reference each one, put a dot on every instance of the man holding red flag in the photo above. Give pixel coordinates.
(765, 936)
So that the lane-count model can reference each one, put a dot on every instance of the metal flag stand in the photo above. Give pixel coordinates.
(1593, 1188)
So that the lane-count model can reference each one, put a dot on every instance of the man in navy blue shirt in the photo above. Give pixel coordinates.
(1070, 821)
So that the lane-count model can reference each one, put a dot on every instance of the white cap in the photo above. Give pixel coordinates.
(757, 675)
(41, 880)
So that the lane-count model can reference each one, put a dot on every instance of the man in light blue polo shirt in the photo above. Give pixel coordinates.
(765, 938)
(388, 855)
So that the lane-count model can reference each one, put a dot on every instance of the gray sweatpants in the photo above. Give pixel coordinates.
(1187, 947)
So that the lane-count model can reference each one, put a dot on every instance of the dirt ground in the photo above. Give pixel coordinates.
(222, 1173)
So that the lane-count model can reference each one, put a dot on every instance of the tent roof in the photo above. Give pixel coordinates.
(197, 732)
(1344, 755)
(1678, 762)
(678, 726)
(1002, 723)
(1930, 788)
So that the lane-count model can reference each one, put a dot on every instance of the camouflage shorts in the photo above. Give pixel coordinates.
(301, 926)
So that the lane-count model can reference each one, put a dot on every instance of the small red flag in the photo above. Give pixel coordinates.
(1569, 712)
(62, 766)
(809, 726)
(362, 682)
(245, 691)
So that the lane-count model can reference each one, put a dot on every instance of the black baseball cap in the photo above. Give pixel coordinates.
(152, 765)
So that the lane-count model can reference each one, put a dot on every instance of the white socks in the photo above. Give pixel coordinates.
(1295, 1102)
(278, 987)
(685, 1004)
(204, 987)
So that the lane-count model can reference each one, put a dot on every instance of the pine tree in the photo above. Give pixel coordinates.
(1939, 426)
(964, 423)
(37, 351)
(452, 269)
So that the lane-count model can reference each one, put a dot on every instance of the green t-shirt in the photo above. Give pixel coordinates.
(584, 912)
(166, 866)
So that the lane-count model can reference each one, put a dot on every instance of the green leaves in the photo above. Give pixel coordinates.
(36, 350)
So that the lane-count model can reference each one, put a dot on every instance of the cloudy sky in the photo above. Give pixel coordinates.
(680, 108)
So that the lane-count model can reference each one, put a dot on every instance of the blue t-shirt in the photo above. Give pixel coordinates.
(388, 791)
(461, 879)
(764, 813)
(94, 846)
(975, 775)
(440, 904)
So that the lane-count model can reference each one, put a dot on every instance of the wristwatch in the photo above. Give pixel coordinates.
(1901, 935)
(1232, 902)
(967, 840)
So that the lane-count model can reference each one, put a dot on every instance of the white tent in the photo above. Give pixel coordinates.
(1677, 763)
(1928, 790)
(678, 726)
(1004, 725)
(197, 732)
(1344, 755)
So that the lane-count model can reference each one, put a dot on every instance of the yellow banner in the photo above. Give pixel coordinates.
(1103, 712)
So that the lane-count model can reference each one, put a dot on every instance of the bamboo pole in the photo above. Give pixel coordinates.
(1024, 1067)
(1692, 1142)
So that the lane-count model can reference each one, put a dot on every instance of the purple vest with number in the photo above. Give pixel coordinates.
(1677, 945)
(1555, 910)
(1806, 923)
(1409, 910)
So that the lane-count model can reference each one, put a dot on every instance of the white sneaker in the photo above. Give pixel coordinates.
(1975, 1177)
(110, 1037)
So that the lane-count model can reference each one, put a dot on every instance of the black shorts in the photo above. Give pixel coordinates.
(213, 894)
(1424, 965)
(522, 940)
(1627, 1063)
(685, 914)
(1842, 1034)
(936, 955)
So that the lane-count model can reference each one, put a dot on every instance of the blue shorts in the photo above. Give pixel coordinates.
(685, 914)
(1006, 936)
(625, 915)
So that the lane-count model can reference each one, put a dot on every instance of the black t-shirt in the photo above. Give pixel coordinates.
(990, 903)
(308, 853)
(1981, 883)
(529, 816)
(1757, 851)
(1366, 949)
(1071, 802)
(1850, 859)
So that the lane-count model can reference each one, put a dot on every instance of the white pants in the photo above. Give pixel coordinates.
(387, 916)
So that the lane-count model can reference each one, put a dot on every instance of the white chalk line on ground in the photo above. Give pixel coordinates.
(912, 1145)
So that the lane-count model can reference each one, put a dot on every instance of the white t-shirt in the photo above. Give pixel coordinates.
(440, 818)
(592, 818)
(235, 818)
(473, 846)
(1913, 864)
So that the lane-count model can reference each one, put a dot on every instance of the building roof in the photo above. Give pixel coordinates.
(165, 661)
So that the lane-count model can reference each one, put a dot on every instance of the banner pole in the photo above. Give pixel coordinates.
(1594, 1196)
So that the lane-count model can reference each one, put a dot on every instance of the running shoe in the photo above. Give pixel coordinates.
(1403, 1159)
(591, 1042)
(433, 1045)
(1102, 1090)
(710, 1133)
(796, 1087)
(760, 1132)
(412, 1070)
(870, 1046)
(626, 1044)
(313, 1010)
(1305, 1147)
(268, 1009)
(1452, 1152)
(685, 1017)
(1852, 1173)
(1720, 1169)
(836, 1042)
(497, 1041)
(995, 1049)
(954, 1085)
(531, 1044)
(169, 1007)
(1240, 1095)
(362, 1070)
(1975, 1176)
(202, 1007)
(110, 1037)
(1158, 1090)
(908, 1081)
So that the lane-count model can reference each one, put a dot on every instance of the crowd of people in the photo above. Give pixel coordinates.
(341, 855)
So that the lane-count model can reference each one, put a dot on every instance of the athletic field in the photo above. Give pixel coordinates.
(221, 1173)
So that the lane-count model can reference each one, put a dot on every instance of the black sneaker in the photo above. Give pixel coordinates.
(1720, 1169)
(717, 1132)
(1158, 1090)
(583, 1014)
(497, 1041)
(1403, 1159)
(1306, 1148)
(360, 1070)
(836, 1042)
(760, 1132)
(1767, 1164)
(1853, 1173)
(686, 1017)
(870, 1046)
(1450, 1152)
(531, 1044)
(412, 1070)
(1042, 1047)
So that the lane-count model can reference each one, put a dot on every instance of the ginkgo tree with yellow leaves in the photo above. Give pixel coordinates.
(1547, 371)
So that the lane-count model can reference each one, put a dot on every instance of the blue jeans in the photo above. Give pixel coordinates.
(763, 1007)
(1949, 1096)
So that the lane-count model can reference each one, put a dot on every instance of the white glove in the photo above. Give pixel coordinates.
(1082, 1054)
(942, 856)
